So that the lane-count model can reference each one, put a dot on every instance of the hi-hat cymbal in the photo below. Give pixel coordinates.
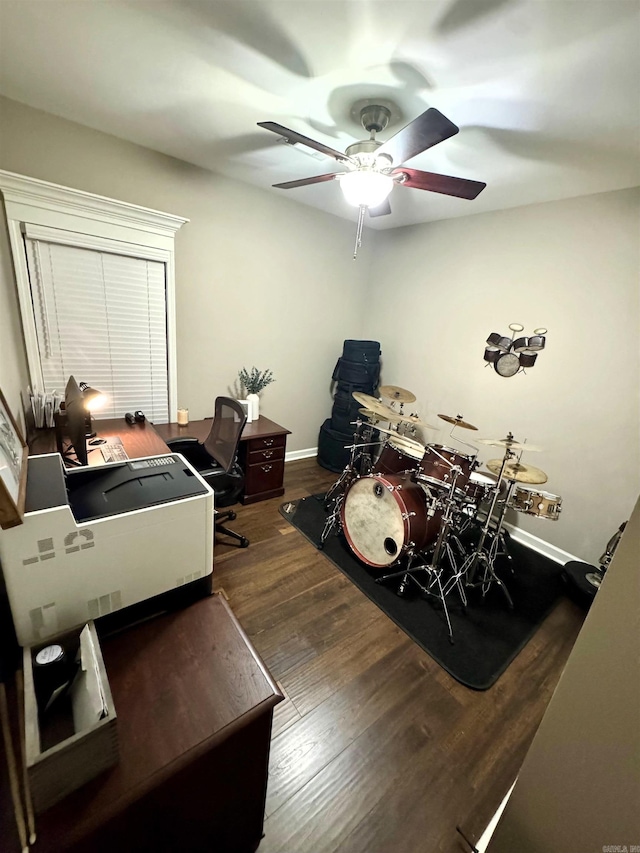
(391, 417)
(457, 421)
(416, 421)
(393, 392)
(510, 443)
(373, 405)
(519, 472)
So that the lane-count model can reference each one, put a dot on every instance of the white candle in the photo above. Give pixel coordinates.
(183, 417)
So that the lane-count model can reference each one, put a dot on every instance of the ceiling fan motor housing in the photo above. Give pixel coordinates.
(374, 118)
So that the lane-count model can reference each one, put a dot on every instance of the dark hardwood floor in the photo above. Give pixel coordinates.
(375, 748)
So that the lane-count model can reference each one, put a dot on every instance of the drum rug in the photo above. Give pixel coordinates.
(487, 634)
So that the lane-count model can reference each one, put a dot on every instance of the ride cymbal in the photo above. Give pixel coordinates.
(457, 421)
(394, 392)
(374, 405)
(416, 421)
(518, 472)
(510, 443)
(391, 417)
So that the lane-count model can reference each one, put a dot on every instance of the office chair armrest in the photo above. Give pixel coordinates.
(184, 441)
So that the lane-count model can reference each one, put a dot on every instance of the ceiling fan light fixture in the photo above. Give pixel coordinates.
(365, 188)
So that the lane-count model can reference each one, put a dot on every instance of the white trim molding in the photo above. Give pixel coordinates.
(545, 548)
(292, 455)
(36, 205)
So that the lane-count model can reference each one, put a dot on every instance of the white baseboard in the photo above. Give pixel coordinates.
(300, 454)
(539, 545)
(528, 539)
(486, 835)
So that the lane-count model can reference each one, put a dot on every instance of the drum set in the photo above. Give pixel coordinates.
(424, 511)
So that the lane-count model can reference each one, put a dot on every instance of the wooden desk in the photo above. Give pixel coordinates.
(139, 439)
(194, 704)
(261, 454)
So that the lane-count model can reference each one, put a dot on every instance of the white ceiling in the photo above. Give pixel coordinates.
(545, 92)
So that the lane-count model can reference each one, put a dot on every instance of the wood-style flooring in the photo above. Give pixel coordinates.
(376, 749)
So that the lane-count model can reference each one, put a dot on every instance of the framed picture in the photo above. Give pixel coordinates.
(13, 468)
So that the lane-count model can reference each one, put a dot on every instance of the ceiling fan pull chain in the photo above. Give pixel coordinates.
(363, 210)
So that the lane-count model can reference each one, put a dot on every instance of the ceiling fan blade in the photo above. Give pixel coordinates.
(382, 209)
(445, 184)
(423, 132)
(292, 136)
(289, 185)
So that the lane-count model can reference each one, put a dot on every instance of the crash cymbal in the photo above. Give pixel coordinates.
(404, 441)
(373, 405)
(457, 421)
(400, 395)
(510, 443)
(391, 417)
(416, 421)
(518, 472)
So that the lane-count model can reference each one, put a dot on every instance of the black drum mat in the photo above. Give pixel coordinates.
(487, 634)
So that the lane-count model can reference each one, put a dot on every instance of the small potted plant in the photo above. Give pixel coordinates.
(254, 381)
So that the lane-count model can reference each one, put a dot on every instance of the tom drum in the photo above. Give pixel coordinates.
(399, 454)
(437, 467)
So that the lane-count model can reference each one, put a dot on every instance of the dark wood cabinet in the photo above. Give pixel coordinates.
(261, 455)
(195, 705)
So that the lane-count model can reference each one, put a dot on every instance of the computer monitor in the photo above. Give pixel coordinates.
(76, 421)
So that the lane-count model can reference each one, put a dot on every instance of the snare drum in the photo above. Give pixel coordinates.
(541, 504)
(399, 454)
(383, 516)
(437, 463)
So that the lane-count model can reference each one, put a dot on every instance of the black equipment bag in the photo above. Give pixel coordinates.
(363, 374)
(367, 352)
(333, 448)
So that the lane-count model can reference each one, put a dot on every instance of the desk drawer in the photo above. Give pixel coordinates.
(267, 443)
(264, 477)
(268, 454)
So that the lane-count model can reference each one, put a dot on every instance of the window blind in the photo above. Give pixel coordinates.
(102, 318)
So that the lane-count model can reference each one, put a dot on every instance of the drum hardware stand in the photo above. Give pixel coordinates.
(479, 555)
(336, 493)
(434, 567)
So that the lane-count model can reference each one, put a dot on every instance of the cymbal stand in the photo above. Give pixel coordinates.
(434, 568)
(482, 559)
(359, 465)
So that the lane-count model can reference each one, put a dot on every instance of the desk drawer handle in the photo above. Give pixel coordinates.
(268, 454)
(268, 442)
(267, 468)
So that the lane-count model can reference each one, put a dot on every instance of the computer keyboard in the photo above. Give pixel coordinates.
(113, 452)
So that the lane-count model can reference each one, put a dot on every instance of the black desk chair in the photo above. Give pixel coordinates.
(215, 460)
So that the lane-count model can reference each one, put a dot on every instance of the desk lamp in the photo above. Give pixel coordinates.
(93, 400)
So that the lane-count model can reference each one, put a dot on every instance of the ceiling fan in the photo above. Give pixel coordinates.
(374, 168)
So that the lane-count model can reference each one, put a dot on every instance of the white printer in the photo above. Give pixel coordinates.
(96, 540)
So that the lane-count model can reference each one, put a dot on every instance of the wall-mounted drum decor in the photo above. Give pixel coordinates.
(512, 355)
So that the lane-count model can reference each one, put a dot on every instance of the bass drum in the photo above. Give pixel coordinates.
(399, 454)
(383, 516)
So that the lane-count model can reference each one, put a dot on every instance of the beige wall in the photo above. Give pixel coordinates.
(572, 266)
(579, 786)
(259, 279)
(262, 280)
